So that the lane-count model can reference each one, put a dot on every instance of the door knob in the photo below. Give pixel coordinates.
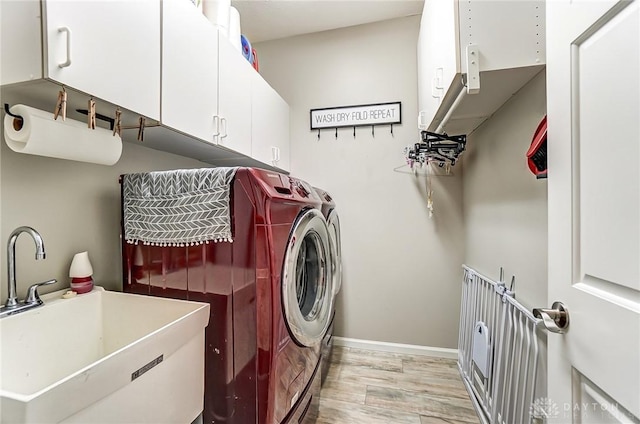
(555, 319)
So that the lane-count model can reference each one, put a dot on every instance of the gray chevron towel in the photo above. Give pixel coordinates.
(177, 208)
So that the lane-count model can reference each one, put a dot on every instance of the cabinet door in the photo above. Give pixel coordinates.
(107, 48)
(189, 71)
(438, 56)
(269, 125)
(424, 81)
(234, 98)
(20, 41)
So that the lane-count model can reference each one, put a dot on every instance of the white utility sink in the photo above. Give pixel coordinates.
(103, 357)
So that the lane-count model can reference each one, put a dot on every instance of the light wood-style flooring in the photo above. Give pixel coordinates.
(369, 387)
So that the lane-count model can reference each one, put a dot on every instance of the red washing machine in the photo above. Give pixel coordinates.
(333, 222)
(271, 298)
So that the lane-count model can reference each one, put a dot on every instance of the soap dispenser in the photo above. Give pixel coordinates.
(80, 273)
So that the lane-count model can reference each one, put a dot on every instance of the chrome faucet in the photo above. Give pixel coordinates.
(13, 305)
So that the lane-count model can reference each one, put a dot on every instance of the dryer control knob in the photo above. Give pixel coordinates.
(301, 189)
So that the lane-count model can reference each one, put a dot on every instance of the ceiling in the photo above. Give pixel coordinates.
(264, 20)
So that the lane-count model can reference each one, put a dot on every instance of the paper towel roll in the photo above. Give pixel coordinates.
(235, 30)
(40, 135)
(217, 11)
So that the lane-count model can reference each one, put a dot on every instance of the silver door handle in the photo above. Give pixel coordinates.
(555, 319)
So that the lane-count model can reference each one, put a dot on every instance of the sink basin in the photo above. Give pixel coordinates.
(103, 357)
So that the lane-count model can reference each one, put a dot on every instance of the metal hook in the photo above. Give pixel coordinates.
(318, 135)
(354, 132)
(373, 132)
(6, 110)
(336, 133)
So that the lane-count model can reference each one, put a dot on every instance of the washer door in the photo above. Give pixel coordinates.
(333, 222)
(307, 294)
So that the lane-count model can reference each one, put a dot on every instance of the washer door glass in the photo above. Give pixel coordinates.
(307, 292)
(333, 222)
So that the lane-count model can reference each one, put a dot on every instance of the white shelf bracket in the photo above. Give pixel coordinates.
(473, 69)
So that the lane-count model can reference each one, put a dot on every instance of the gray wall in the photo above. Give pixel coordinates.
(401, 269)
(75, 206)
(505, 207)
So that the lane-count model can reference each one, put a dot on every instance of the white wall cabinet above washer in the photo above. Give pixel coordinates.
(472, 56)
(234, 98)
(210, 91)
(109, 49)
(269, 125)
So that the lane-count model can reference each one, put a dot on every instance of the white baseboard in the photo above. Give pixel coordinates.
(439, 352)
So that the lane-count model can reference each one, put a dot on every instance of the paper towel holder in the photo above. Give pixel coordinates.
(111, 121)
(17, 126)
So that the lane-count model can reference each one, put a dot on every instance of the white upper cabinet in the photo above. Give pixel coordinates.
(270, 125)
(234, 94)
(108, 49)
(472, 56)
(438, 61)
(21, 41)
(189, 71)
(162, 60)
(210, 91)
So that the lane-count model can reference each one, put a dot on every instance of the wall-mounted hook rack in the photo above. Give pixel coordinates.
(356, 116)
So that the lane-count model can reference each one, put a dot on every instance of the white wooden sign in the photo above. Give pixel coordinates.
(356, 116)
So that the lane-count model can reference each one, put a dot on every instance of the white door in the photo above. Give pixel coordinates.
(106, 48)
(234, 98)
(593, 69)
(189, 71)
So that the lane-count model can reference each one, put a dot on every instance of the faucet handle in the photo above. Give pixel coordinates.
(32, 294)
